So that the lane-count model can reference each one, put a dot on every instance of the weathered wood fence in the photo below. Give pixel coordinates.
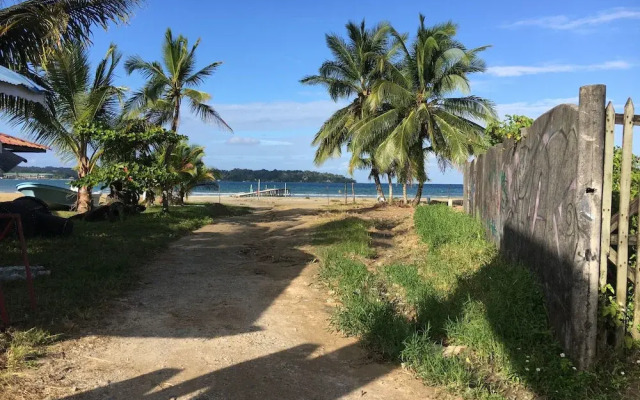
(547, 202)
(616, 244)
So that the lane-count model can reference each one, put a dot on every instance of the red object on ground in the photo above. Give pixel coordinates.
(14, 219)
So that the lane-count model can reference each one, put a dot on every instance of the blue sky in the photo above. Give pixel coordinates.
(541, 53)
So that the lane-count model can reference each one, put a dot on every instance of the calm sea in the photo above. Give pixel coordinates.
(296, 189)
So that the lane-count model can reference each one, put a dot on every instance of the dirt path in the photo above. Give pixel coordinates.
(232, 311)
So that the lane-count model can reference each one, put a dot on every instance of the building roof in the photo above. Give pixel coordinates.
(18, 145)
(14, 78)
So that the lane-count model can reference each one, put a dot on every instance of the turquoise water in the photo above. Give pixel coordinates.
(296, 189)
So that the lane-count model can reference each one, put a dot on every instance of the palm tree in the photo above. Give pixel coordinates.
(79, 102)
(412, 111)
(188, 167)
(355, 67)
(169, 83)
(31, 29)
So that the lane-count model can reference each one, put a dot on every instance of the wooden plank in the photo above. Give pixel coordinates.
(633, 209)
(607, 184)
(631, 272)
(627, 129)
(620, 119)
(632, 240)
(623, 224)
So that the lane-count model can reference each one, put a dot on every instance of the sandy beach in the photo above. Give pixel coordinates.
(314, 202)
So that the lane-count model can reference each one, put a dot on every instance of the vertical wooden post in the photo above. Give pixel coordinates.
(465, 187)
(623, 224)
(258, 189)
(353, 192)
(607, 184)
(345, 193)
(628, 131)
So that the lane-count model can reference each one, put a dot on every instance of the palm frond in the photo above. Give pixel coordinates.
(31, 29)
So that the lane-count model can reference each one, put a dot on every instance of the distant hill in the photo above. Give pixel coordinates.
(57, 172)
(243, 175)
(236, 175)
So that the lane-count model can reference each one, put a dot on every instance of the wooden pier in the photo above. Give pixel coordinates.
(278, 192)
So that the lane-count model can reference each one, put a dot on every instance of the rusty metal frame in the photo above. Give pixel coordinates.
(15, 220)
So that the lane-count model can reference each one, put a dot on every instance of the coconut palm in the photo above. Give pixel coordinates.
(30, 29)
(355, 67)
(79, 102)
(413, 111)
(187, 165)
(169, 83)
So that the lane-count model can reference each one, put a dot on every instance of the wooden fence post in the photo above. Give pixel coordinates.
(623, 224)
(628, 131)
(607, 184)
(345, 193)
(353, 192)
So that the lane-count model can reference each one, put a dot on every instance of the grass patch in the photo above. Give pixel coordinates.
(461, 296)
(98, 262)
(438, 224)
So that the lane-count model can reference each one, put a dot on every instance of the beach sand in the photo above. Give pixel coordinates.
(9, 196)
(314, 202)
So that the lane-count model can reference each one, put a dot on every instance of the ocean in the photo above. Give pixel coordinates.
(296, 189)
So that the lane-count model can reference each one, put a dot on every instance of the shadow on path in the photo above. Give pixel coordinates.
(288, 374)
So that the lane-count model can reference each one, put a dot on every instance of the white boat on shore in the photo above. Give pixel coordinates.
(56, 197)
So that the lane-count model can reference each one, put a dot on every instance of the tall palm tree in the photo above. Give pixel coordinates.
(355, 67)
(169, 83)
(30, 29)
(412, 109)
(78, 102)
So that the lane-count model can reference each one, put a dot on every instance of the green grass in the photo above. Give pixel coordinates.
(437, 225)
(462, 294)
(97, 263)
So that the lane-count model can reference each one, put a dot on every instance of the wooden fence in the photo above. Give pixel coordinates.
(616, 244)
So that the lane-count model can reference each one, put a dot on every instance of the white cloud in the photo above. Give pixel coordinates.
(533, 109)
(276, 116)
(562, 22)
(242, 141)
(519, 70)
(275, 143)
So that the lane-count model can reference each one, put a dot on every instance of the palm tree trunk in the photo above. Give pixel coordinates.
(404, 193)
(416, 200)
(376, 178)
(83, 202)
(166, 190)
(390, 188)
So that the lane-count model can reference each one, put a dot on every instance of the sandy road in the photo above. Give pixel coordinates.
(232, 311)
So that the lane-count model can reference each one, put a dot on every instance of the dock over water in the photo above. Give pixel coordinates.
(276, 192)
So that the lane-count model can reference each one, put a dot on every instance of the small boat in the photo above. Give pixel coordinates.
(56, 197)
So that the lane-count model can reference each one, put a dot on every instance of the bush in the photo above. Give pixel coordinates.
(439, 224)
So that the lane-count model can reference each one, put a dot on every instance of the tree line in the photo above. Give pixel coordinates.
(233, 175)
(240, 175)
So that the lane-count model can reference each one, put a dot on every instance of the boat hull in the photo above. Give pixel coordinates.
(57, 198)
